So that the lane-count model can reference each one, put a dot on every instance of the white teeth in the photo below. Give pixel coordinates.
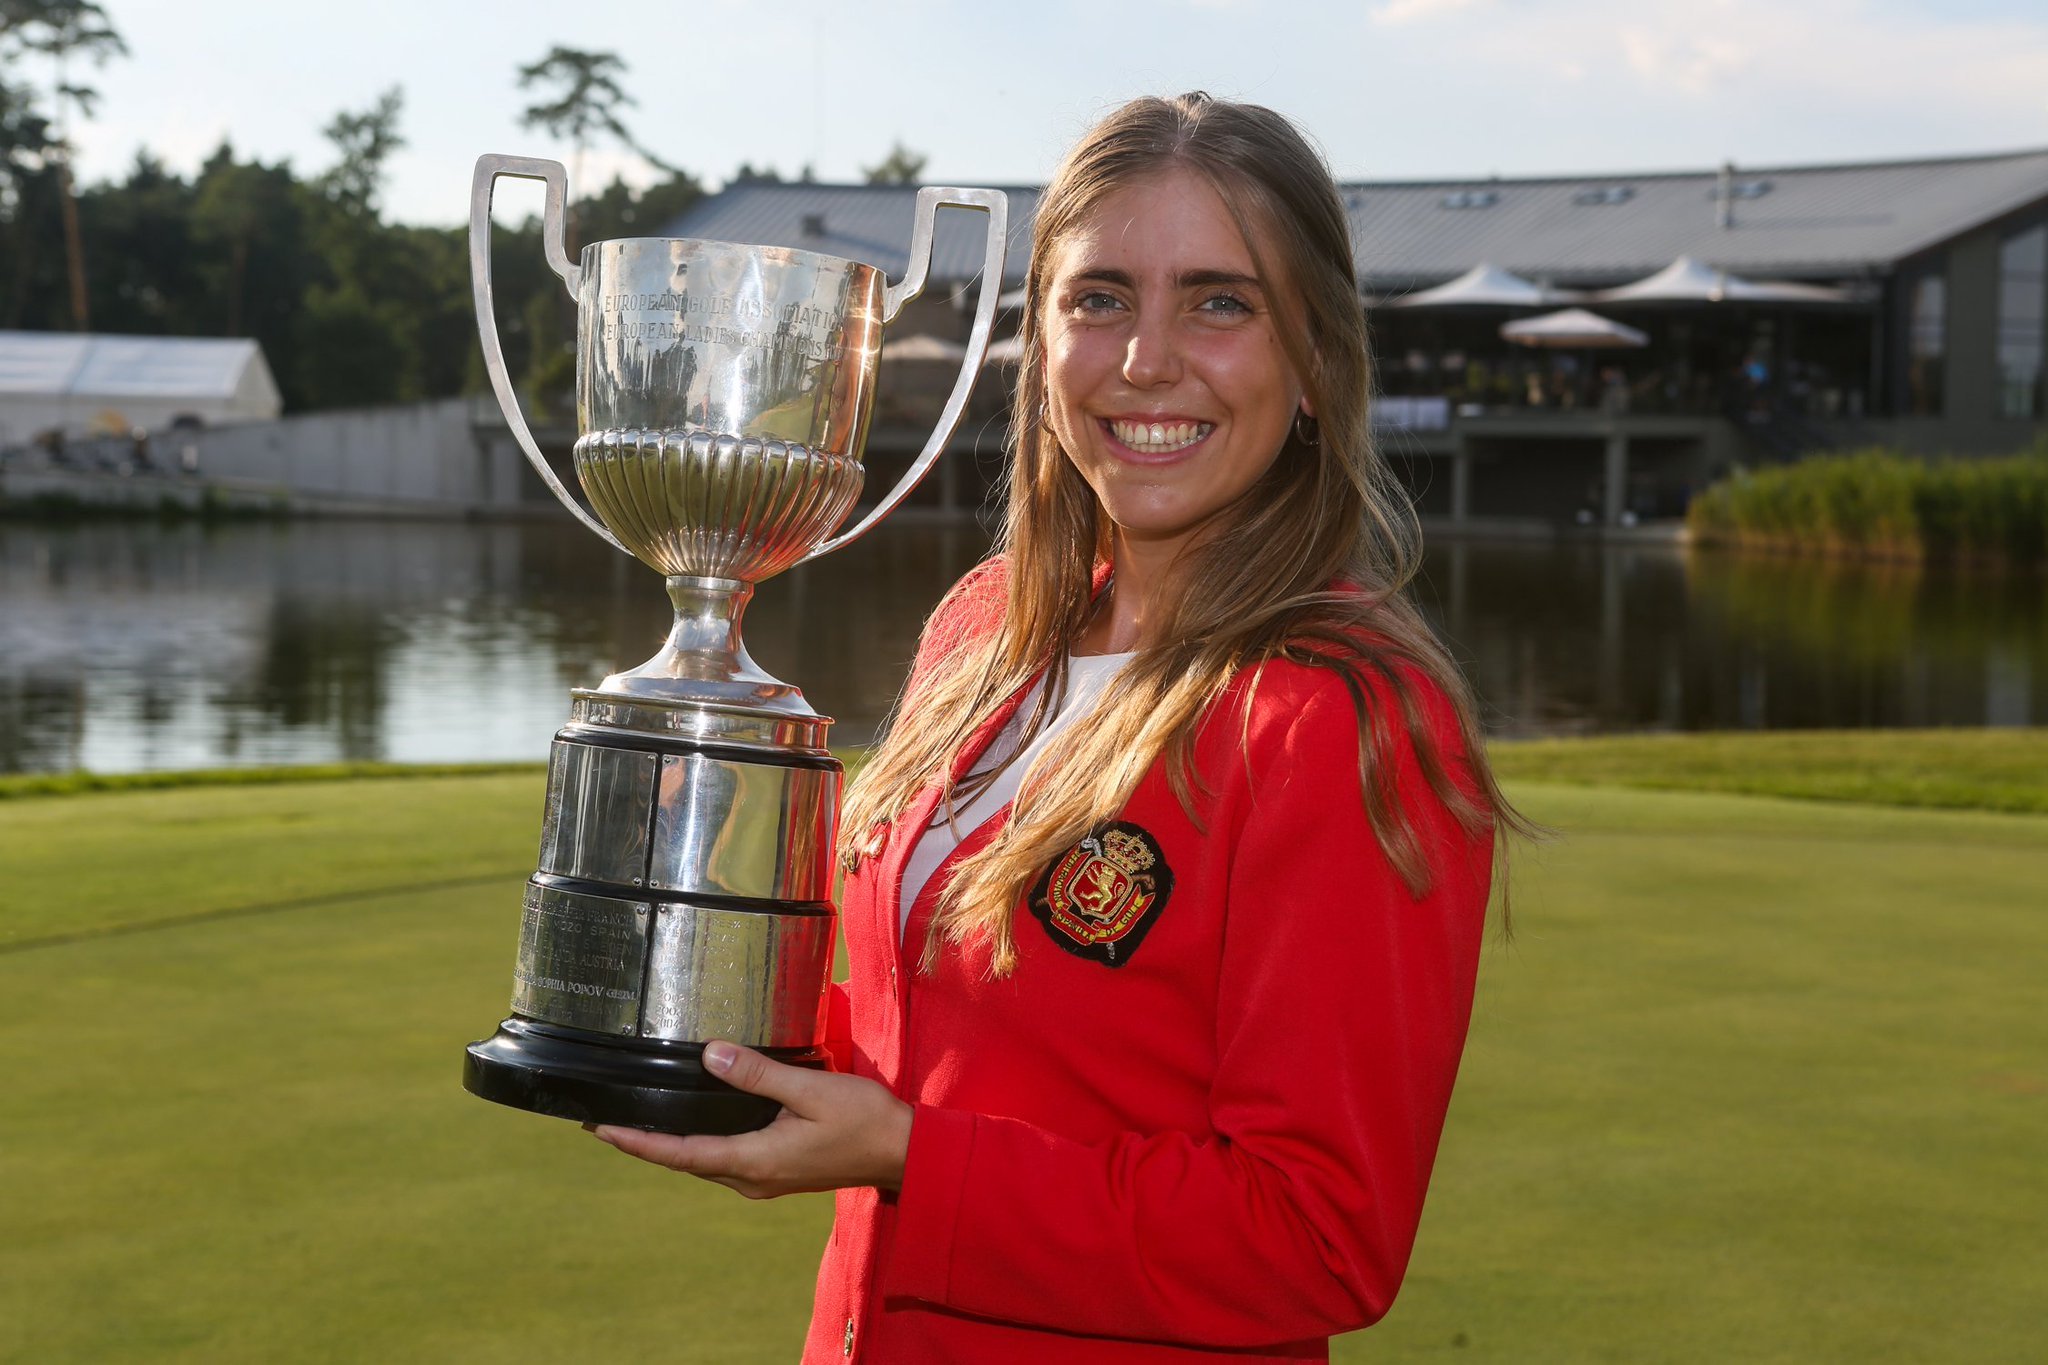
(1154, 438)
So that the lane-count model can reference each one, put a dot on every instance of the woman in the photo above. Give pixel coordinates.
(1166, 887)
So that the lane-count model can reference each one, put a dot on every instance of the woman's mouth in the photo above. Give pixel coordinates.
(1157, 438)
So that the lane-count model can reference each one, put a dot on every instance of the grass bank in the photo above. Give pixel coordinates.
(1997, 770)
(1758, 1080)
(1884, 504)
(79, 783)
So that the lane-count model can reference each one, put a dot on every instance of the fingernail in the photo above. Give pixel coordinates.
(719, 1057)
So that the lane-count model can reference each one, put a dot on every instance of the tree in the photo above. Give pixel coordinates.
(588, 98)
(622, 211)
(63, 30)
(25, 143)
(364, 141)
(28, 215)
(149, 274)
(256, 213)
(901, 167)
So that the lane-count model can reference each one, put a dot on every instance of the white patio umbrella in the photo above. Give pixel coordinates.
(924, 347)
(1484, 286)
(1573, 328)
(1008, 351)
(1687, 280)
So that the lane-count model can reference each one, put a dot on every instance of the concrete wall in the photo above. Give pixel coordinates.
(422, 458)
(424, 453)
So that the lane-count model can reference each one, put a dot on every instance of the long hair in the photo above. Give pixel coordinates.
(1310, 564)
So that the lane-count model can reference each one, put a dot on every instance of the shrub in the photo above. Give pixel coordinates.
(1883, 504)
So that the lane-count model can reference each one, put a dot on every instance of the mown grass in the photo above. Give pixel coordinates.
(1998, 770)
(91, 866)
(1884, 504)
(1757, 1080)
(79, 782)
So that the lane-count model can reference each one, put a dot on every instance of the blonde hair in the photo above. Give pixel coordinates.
(1310, 564)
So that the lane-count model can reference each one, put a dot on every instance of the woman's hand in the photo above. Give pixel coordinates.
(834, 1131)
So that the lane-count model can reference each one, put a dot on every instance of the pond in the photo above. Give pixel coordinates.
(128, 646)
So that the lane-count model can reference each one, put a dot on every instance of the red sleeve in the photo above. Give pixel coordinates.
(1341, 1014)
(839, 1027)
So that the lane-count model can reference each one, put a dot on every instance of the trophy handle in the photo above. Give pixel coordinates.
(554, 239)
(996, 205)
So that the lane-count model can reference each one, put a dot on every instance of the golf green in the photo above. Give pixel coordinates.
(1755, 1080)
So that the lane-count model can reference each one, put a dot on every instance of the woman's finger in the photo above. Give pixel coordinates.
(742, 1068)
(698, 1154)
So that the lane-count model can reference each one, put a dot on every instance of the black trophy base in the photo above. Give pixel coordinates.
(589, 1078)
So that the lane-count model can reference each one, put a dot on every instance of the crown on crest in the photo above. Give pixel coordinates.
(1127, 851)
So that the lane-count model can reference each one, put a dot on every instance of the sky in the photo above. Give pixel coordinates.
(993, 92)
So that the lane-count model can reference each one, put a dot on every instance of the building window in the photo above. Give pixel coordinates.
(1927, 346)
(2022, 321)
(1469, 199)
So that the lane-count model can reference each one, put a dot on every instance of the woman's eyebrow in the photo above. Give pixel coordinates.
(1201, 279)
(1188, 279)
(1103, 275)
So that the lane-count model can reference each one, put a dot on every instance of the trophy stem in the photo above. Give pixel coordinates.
(703, 659)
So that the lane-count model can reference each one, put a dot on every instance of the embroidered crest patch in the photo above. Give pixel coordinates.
(1100, 898)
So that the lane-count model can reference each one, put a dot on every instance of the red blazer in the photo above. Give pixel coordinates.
(1201, 1112)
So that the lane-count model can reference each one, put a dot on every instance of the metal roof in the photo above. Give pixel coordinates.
(861, 222)
(1813, 221)
(1800, 221)
(96, 366)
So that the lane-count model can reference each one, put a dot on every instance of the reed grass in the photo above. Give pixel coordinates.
(1884, 504)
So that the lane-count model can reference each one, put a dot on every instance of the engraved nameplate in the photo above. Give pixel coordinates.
(734, 321)
(581, 959)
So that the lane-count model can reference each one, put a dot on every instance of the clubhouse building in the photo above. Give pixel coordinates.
(1661, 328)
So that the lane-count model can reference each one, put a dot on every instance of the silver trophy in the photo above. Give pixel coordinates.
(684, 888)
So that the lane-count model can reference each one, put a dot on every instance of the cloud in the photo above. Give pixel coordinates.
(1846, 54)
(1414, 11)
(1695, 63)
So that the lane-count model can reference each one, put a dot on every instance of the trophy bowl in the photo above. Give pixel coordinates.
(683, 888)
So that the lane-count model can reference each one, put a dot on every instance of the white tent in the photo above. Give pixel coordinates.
(1484, 286)
(1008, 351)
(84, 383)
(1687, 280)
(924, 347)
(1572, 327)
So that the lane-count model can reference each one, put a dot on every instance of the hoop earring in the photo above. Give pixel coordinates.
(1312, 434)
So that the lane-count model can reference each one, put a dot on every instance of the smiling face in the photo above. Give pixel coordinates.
(1166, 382)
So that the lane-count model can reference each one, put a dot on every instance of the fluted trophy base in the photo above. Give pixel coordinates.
(587, 1078)
(683, 892)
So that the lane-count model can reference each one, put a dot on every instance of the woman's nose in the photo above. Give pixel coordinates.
(1152, 355)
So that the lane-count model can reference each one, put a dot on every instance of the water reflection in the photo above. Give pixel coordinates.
(1575, 638)
(134, 646)
(137, 646)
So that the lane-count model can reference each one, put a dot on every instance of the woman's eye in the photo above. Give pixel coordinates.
(1095, 301)
(1225, 303)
